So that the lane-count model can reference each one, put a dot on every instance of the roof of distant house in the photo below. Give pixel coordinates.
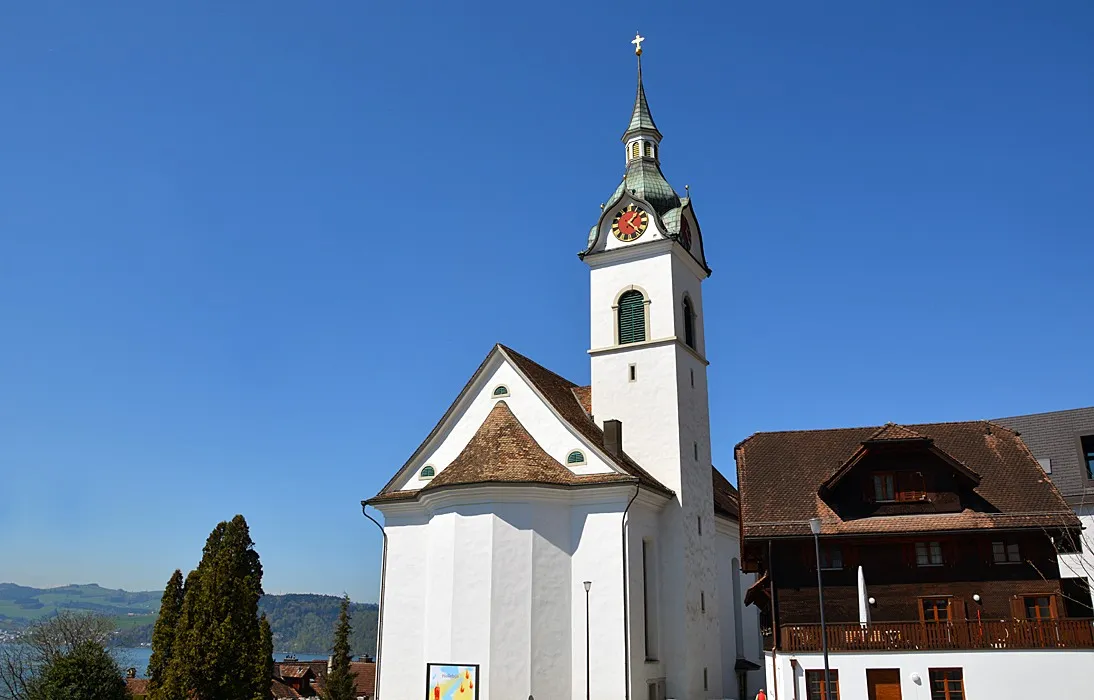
(779, 475)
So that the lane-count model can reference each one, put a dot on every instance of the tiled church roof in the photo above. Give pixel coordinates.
(779, 475)
(503, 451)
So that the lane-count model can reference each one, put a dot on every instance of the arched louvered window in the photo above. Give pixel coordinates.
(575, 457)
(649, 149)
(632, 317)
(501, 390)
(689, 324)
(427, 472)
(634, 149)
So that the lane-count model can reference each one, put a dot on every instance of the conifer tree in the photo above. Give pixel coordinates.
(163, 633)
(218, 650)
(341, 682)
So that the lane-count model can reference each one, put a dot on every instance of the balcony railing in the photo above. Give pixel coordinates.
(933, 636)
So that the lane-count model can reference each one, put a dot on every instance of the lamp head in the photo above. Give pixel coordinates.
(976, 597)
(814, 525)
(588, 585)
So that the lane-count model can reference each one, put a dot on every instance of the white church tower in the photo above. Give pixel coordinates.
(559, 541)
(649, 371)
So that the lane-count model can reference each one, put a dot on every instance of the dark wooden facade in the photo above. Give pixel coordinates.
(909, 514)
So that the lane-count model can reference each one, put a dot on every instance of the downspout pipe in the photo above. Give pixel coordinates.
(383, 589)
(626, 615)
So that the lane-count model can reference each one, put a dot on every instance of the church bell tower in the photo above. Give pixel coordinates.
(649, 371)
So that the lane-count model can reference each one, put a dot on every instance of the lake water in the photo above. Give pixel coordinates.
(138, 658)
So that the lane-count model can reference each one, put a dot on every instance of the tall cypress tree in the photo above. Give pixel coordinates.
(341, 682)
(218, 647)
(163, 634)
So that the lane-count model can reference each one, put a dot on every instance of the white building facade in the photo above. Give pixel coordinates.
(558, 541)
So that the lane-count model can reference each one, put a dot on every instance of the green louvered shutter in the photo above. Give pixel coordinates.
(575, 457)
(632, 317)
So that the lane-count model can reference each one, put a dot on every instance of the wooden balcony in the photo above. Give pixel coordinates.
(941, 636)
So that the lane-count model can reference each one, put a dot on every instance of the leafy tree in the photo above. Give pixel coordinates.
(46, 645)
(265, 649)
(87, 672)
(218, 651)
(341, 682)
(163, 634)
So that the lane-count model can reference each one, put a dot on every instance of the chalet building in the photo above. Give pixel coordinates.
(307, 679)
(935, 541)
(1063, 443)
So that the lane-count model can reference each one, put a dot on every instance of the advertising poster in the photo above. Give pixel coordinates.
(452, 681)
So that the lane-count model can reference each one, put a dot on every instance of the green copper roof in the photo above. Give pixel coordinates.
(641, 119)
(645, 181)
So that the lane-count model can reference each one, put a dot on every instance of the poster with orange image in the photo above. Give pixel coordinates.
(452, 681)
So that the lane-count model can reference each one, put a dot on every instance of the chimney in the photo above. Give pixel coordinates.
(613, 437)
(131, 673)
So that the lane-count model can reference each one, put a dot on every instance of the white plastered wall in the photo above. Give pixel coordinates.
(494, 576)
(734, 613)
(1056, 673)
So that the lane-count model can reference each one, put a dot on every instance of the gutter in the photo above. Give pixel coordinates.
(383, 590)
(626, 615)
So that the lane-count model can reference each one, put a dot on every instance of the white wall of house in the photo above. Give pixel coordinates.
(1052, 673)
(1081, 565)
(739, 625)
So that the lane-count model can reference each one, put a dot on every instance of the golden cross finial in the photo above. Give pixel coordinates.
(638, 39)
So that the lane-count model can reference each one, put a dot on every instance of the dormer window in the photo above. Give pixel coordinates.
(902, 487)
(884, 489)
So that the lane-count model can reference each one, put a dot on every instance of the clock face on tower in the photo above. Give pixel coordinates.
(685, 234)
(630, 223)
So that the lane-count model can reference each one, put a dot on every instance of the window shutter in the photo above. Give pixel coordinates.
(632, 317)
(959, 613)
(1054, 606)
(1017, 610)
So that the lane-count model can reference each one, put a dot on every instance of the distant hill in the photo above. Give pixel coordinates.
(301, 622)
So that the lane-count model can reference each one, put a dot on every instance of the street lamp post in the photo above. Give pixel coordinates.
(814, 527)
(588, 679)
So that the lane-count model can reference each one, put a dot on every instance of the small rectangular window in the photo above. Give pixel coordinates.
(695, 449)
(692, 378)
(702, 601)
(700, 519)
(1038, 607)
(947, 684)
(928, 554)
(884, 489)
(814, 685)
(633, 373)
(831, 558)
(704, 678)
(1046, 464)
(1087, 443)
(1005, 553)
(935, 609)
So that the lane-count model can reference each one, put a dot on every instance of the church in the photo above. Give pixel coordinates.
(554, 541)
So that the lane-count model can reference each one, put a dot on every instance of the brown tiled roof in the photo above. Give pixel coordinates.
(137, 686)
(502, 451)
(279, 690)
(892, 431)
(294, 670)
(483, 466)
(779, 475)
(584, 395)
(559, 392)
(365, 672)
(727, 502)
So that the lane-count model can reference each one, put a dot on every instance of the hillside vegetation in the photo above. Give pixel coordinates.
(301, 622)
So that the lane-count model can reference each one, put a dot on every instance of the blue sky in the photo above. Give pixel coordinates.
(249, 252)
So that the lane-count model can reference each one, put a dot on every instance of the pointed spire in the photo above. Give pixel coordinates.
(641, 119)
